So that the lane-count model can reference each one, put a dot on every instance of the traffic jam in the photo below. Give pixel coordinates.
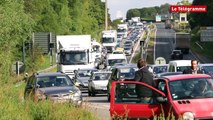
(104, 68)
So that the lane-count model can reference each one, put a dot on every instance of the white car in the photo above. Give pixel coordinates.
(98, 82)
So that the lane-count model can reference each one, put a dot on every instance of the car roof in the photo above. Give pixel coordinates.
(103, 71)
(125, 66)
(156, 65)
(186, 76)
(206, 64)
(181, 62)
(49, 74)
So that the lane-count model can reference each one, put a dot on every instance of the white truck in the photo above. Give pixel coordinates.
(122, 30)
(113, 59)
(74, 52)
(109, 40)
(182, 42)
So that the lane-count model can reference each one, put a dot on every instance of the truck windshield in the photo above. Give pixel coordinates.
(108, 40)
(74, 58)
(112, 62)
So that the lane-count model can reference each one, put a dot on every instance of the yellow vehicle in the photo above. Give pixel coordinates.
(118, 51)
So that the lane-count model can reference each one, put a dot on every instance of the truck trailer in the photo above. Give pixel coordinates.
(182, 42)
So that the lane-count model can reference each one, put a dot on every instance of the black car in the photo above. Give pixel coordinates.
(56, 86)
(176, 55)
(121, 72)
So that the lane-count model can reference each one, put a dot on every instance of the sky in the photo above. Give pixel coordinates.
(118, 8)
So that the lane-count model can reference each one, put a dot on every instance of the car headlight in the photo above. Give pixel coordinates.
(188, 116)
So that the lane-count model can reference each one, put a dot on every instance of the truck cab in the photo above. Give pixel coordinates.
(109, 40)
(74, 52)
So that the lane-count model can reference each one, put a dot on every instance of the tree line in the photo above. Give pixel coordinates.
(20, 18)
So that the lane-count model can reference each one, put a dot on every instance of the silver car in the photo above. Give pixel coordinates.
(98, 82)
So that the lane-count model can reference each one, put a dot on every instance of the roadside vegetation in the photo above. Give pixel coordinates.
(18, 20)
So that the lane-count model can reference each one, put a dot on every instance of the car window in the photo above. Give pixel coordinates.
(190, 88)
(128, 93)
(101, 76)
(53, 81)
(127, 73)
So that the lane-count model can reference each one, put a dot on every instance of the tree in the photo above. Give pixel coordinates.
(133, 13)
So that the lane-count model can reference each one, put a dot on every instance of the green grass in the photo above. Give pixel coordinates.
(14, 107)
(207, 46)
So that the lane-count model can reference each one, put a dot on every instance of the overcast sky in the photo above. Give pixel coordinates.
(118, 8)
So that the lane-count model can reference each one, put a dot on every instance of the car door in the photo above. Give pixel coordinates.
(124, 101)
(30, 87)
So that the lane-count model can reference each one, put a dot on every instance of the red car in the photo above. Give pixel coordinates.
(185, 96)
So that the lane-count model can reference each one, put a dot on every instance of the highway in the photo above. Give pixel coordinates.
(164, 42)
(163, 47)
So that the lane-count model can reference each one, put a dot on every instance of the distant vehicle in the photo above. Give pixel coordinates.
(112, 59)
(109, 40)
(176, 55)
(179, 65)
(158, 68)
(207, 68)
(81, 78)
(121, 72)
(74, 52)
(173, 98)
(57, 87)
(182, 42)
(123, 30)
(98, 82)
(168, 24)
(128, 50)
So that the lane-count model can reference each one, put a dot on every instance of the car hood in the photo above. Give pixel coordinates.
(58, 90)
(199, 107)
(101, 82)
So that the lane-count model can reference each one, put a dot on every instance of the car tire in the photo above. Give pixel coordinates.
(108, 97)
(89, 93)
(93, 93)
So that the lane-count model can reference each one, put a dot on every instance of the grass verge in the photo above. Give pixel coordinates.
(14, 107)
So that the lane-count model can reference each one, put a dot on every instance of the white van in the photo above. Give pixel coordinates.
(113, 59)
(179, 65)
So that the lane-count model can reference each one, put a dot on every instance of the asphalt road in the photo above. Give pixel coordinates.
(98, 104)
(164, 44)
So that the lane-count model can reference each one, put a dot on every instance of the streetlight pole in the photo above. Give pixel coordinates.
(106, 15)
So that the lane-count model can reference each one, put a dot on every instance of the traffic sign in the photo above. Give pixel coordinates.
(160, 60)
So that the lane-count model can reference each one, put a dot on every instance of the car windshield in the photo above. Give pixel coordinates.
(159, 69)
(107, 40)
(84, 73)
(53, 81)
(127, 48)
(176, 52)
(112, 62)
(208, 69)
(191, 88)
(101, 76)
(127, 73)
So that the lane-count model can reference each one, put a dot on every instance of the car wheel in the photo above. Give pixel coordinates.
(89, 93)
(93, 93)
(108, 97)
